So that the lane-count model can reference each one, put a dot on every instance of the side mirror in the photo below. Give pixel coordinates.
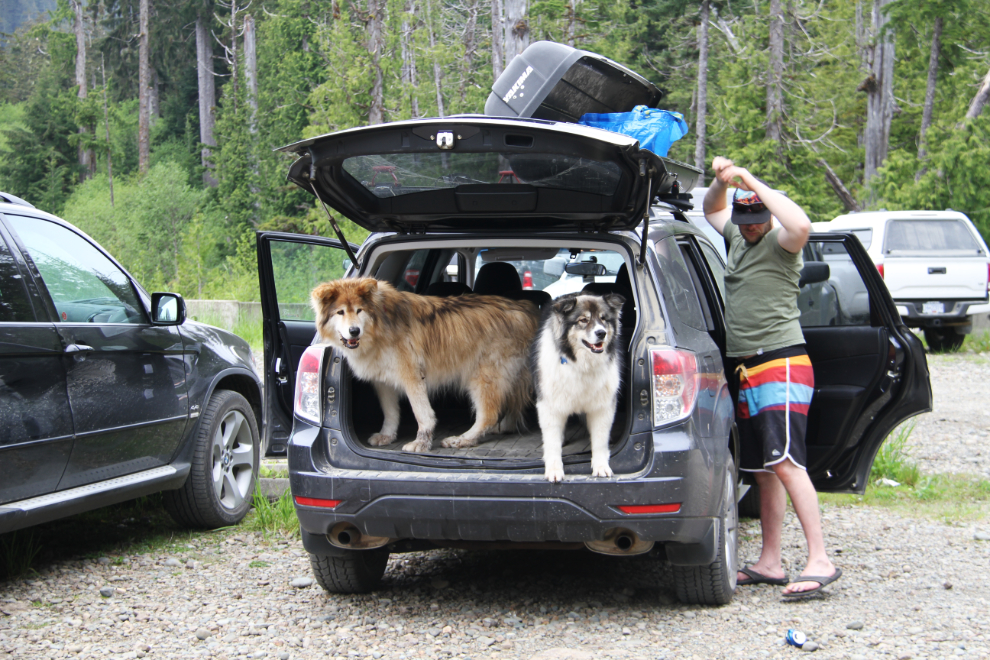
(167, 309)
(586, 268)
(814, 272)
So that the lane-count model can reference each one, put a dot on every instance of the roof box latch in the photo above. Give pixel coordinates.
(445, 140)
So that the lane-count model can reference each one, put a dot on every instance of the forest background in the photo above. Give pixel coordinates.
(151, 124)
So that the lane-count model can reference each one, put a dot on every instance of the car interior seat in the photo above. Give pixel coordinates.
(447, 289)
(502, 279)
(622, 286)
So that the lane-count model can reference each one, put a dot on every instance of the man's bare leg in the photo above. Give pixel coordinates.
(773, 501)
(805, 500)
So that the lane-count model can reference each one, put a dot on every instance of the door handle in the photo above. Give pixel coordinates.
(78, 348)
(936, 271)
(280, 372)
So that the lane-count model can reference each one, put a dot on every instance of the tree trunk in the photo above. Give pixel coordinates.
(498, 40)
(926, 114)
(437, 73)
(470, 47)
(86, 160)
(516, 28)
(409, 77)
(702, 117)
(980, 100)
(572, 21)
(376, 43)
(144, 84)
(207, 98)
(251, 69)
(154, 106)
(775, 86)
(879, 88)
(840, 189)
(106, 124)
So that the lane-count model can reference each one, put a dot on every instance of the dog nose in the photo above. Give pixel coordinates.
(600, 334)
(354, 330)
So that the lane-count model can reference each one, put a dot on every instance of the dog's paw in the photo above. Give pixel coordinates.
(600, 469)
(554, 472)
(418, 446)
(458, 442)
(380, 440)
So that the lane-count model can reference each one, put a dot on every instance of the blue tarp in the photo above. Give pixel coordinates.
(655, 129)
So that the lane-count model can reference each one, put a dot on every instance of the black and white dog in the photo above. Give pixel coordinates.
(576, 365)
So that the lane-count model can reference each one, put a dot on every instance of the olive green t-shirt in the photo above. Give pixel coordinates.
(761, 290)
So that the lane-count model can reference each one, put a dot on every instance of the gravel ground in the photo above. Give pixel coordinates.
(912, 588)
(953, 437)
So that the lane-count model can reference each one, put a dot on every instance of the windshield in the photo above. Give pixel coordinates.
(551, 275)
(390, 175)
(928, 235)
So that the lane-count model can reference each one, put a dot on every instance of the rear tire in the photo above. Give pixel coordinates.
(943, 340)
(356, 572)
(219, 489)
(715, 583)
(749, 505)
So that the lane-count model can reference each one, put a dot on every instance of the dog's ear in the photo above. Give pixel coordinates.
(614, 302)
(366, 287)
(324, 295)
(565, 305)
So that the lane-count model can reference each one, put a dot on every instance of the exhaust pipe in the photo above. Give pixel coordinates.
(346, 535)
(619, 541)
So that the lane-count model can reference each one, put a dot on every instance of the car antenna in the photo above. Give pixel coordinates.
(336, 229)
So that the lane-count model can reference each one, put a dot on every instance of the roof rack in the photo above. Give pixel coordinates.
(11, 199)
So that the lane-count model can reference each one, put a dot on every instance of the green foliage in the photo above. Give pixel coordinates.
(17, 552)
(276, 518)
(892, 461)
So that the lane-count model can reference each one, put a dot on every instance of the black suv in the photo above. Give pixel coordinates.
(578, 192)
(108, 393)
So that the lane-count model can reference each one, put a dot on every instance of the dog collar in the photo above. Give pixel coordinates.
(563, 360)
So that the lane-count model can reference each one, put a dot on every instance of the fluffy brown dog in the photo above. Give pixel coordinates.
(408, 344)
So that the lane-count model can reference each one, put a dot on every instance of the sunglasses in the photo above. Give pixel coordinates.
(748, 203)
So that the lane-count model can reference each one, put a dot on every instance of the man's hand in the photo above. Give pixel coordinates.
(729, 175)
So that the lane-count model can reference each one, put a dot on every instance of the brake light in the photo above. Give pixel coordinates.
(315, 501)
(675, 384)
(528, 280)
(650, 508)
(307, 399)
(880, 268)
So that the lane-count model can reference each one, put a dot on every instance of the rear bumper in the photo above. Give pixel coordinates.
(482, 505)
(957, 313)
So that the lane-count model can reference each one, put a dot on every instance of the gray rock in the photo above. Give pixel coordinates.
(172, 562)
(103, 561)
(301, 582)
(982, 536)
(562, 654)
(485, 641)
(106, 592)
(284, 655)
(855, 625)
(810, 647)
(203, 633)
(74, 648)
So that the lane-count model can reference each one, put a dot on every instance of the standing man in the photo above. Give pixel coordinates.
(766, 352)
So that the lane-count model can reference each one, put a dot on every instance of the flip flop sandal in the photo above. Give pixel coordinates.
(821, 580)
(759, 578)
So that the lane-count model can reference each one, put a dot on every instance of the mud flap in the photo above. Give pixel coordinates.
(695, 554)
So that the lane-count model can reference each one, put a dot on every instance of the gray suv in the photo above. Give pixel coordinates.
(434, 192)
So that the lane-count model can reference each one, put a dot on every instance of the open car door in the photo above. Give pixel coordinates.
(289, 267)
(870, 370)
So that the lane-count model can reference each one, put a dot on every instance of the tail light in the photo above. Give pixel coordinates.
(307, 403)
(675, 384)
(528, 280)
(880, 269)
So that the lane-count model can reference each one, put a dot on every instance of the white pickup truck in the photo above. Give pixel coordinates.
(935, 264)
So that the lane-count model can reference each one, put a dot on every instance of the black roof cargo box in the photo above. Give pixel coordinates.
(559, 83)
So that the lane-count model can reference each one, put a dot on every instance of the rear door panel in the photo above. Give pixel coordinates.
(870, 370)
(289, 267)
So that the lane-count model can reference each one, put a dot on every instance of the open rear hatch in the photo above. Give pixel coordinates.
(472, 173)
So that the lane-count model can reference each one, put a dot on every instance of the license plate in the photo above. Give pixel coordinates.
(932, 308)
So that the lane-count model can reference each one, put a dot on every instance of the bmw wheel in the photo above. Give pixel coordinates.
(220, 486)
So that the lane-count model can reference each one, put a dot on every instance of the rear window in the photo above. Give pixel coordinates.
(391, 175)
(928, 235)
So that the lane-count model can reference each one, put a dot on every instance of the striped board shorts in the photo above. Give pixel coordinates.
(774, 393)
